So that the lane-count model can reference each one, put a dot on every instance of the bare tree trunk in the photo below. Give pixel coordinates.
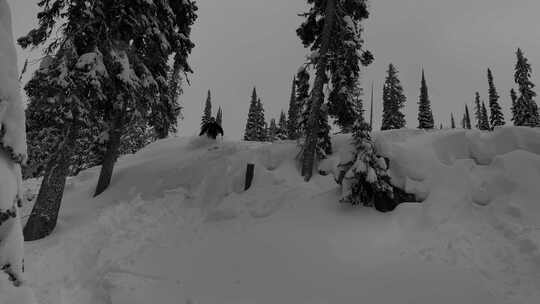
(163, 133)
(44, 216)
(109, 159)
(308, 158)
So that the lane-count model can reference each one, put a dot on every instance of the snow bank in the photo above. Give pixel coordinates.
(12, 154)
(176, 226)
(415, 156)
(480, 208)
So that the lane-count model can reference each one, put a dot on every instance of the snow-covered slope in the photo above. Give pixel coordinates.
(177, 227)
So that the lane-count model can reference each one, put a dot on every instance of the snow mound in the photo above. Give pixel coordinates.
(480, 207)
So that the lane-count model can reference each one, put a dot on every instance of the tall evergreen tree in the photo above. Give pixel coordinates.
(324, 143)
(496, 118)
(303, 99)
(261, 126)
(452, 121)
(393, 101)
(293, 123)
(207, 114)
(513, 96)
(282, 128)
(272, 130)
(324, 146)
(108, 54)
(467, 120)
(478, 111)
(333, 34)
(219, 116)
(425, 115)
(250, 132)
(526, 109)
(485, 120)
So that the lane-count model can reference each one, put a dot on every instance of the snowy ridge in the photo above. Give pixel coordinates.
(177, 227)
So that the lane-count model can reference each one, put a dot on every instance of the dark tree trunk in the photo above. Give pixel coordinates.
(163, 132)
(111, 154)
(44, 215)
(317, 96)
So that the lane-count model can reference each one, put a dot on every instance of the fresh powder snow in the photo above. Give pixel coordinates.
(176, 226)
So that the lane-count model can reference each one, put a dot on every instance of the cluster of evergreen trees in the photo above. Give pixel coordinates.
(105, 88)
(258, 129)
(488, 117)
(207, 113)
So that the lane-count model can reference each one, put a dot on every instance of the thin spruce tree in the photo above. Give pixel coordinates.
(207, 113)
(393, 101)
(425, 115)
(496, 118)
(525, 109)
(293, 122)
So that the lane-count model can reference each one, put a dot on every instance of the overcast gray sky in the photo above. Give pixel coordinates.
(246, 43)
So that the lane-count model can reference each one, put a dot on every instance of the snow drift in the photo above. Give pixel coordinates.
(177, 227)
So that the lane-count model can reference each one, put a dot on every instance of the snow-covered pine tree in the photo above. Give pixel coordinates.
(293, 123)
(207, 114)
(12, 155)
(250, 133)
(467, 117)
(513, 96)
(345, 59)
(393, 101)
(485, 119)
(272, 130)
(425, 115)
(452, 121)
(164, 116)
(61, 122)
(48, 117)
(46, 124)
(526, 109)
(478, 111)
(123, 60)
(219, 116)
(496, 117)
(364, 179)
(282, 127)
(261, 126)
(332, 31)
(324, 144)
(302, 98)
(136, 136)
